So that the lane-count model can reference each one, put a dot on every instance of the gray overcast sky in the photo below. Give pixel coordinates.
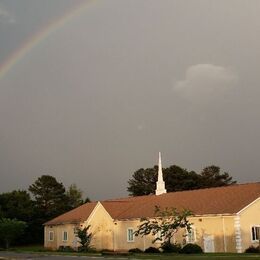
(101, 96)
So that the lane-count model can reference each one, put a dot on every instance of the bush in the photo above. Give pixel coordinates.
(191, 249)
(65, 249)
(135, 250)
(168, 247)
(252, 249)
(152, 250)
(87, 249)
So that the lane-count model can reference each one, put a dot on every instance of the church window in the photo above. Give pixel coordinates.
(51, 235)
(130, 235)
(64, 236)
(191, 235)
(255, 233)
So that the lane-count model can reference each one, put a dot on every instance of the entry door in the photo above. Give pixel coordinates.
(209, 244)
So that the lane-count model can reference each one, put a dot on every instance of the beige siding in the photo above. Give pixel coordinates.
(112, 234)
(58, 236)
(221, 228)
(248, 217)
(102, 228)
(121, 242)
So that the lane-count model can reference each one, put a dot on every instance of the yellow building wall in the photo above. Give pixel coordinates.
(112, 234)
(221, 228)
(58, 236)
(102, 229)
(249, 217)
(121, 242)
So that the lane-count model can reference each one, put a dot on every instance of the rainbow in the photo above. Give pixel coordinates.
(41, 35)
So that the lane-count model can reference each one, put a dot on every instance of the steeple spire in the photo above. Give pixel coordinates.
(160, 185)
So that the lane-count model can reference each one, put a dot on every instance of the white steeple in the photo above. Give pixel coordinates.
(160, 185)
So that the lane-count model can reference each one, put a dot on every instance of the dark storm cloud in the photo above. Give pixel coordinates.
(124, 80)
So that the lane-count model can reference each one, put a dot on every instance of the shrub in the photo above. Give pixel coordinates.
(252, 249)
(135, 250)
(65, 249)
(168, 247)
(152, 250)
(191, 249)
(87, 249)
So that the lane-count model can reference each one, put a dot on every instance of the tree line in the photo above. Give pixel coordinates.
(45, 199)
(176, 178)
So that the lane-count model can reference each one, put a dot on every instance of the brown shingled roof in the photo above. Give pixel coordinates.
(220, 200)
(74, 216)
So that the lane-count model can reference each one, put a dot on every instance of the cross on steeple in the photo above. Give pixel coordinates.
(160, 185)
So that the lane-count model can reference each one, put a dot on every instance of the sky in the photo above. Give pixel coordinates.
(93, 95)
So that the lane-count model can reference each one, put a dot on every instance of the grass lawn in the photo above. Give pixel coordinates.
(214, 256)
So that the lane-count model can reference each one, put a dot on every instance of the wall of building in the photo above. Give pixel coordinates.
(219, 229)
(102, 228)
(58, 236)
(249, 217)
(109, 234)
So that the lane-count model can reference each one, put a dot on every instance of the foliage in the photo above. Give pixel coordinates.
(191, 249)
(152, 250)
(143, 181)
(50, 197)
(84, 237)
(169, 247)
(253, 249)
(166, 223)
(11, 230)
(212, 177)
(135, 250)
(74, 195)
(65, 249)
(16, 204)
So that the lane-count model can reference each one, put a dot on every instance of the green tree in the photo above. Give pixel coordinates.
(11, 230)
(211, 176)
(74, 195)
(49, 196)
(177, 179)
(84, 237)
(165, 224)
(143, 181)
(16, 204)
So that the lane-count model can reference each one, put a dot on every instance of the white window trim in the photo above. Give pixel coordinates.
(187, 235)
(49, 236)
(127, 232)
(63, 236)
(251, 234)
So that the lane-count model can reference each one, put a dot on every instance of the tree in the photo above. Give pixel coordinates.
(177, 179)
(50, 197)
(84, 237)
(16, 204)
(165, 224)
(212, 177)
(74, 195)
(143, 181)
(11, 230)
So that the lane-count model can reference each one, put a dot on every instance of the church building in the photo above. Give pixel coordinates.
(225, 219)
